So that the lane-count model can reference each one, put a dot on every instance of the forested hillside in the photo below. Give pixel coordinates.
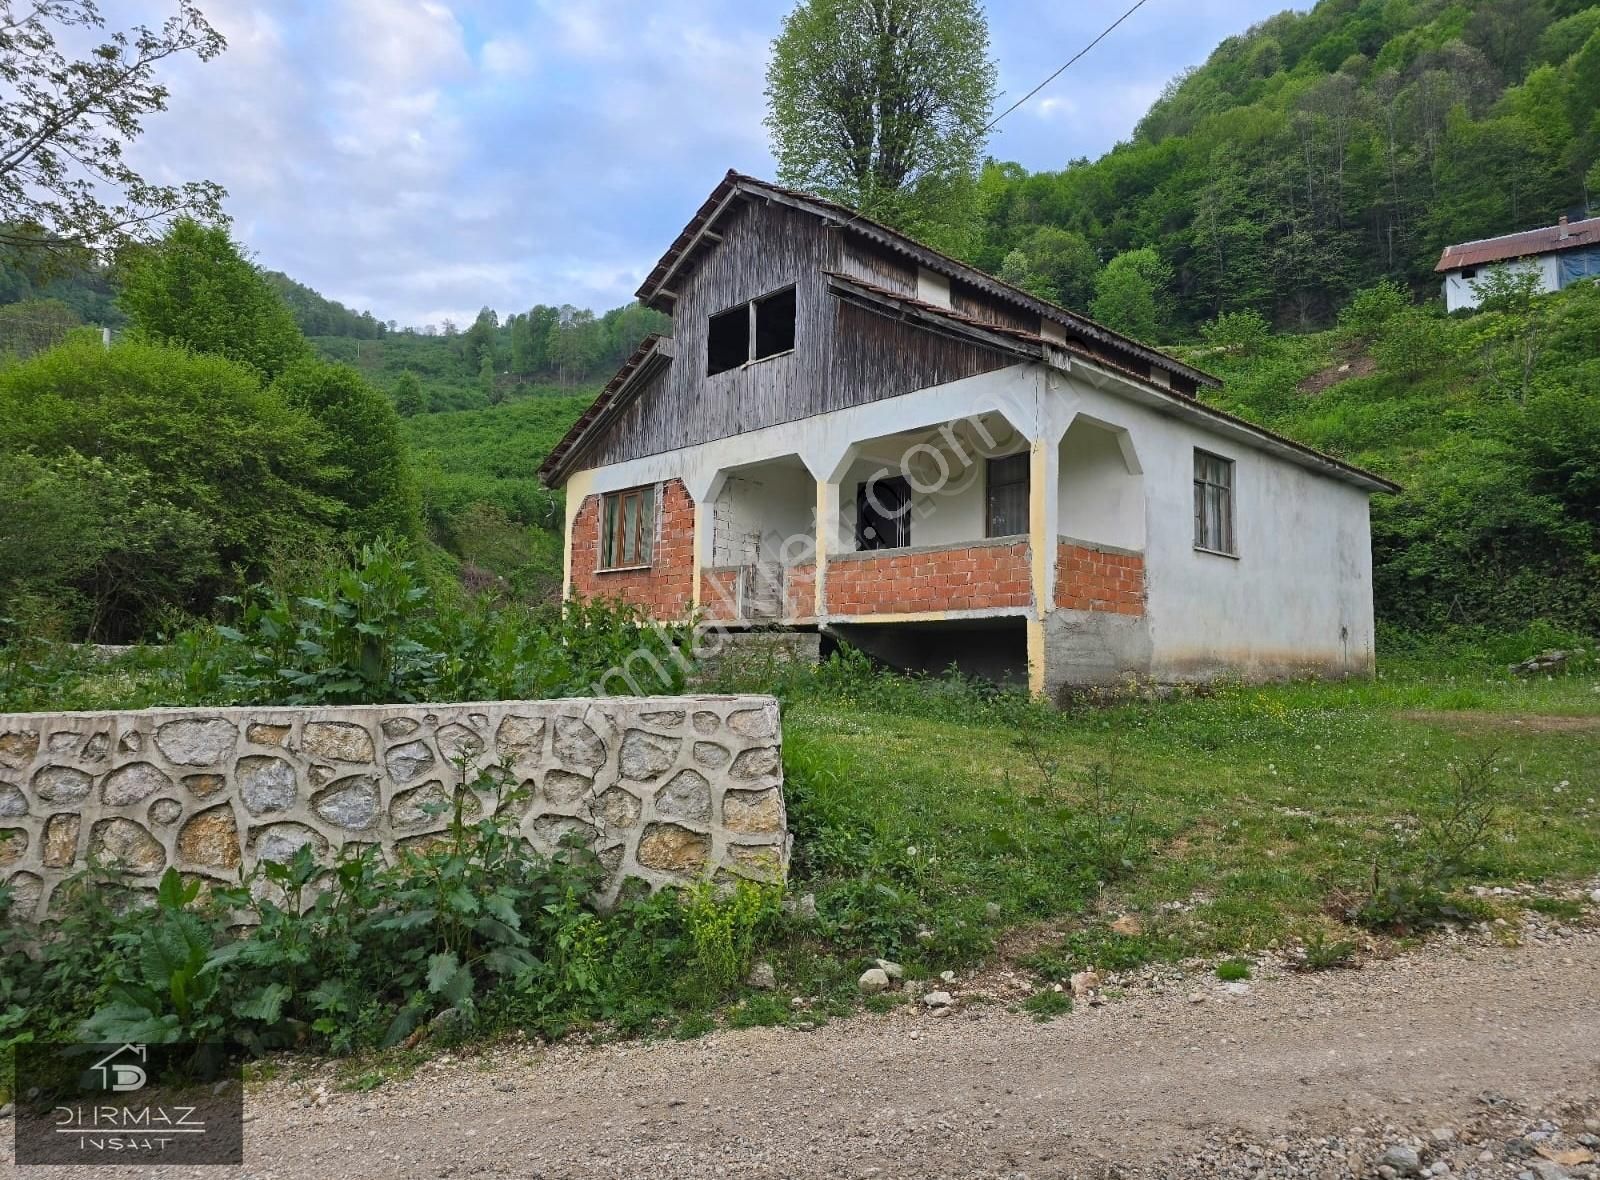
(1312, 156)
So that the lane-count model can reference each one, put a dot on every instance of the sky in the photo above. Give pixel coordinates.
(425, 158)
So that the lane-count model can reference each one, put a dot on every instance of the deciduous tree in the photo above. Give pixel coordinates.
(882, 104)
(66, 122)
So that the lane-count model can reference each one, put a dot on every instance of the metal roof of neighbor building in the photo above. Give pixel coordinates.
(1564, 235)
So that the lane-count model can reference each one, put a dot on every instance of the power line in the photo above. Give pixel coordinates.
(1106, 33)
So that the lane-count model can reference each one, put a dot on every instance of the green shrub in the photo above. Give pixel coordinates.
(1232, 970)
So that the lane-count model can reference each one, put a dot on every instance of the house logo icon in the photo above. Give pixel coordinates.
(123, 1070)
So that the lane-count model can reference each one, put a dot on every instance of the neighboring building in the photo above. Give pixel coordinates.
(999, 482)
(1560, 254)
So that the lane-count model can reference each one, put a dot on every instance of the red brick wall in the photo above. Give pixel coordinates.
(977, 576)
(800, 591)
(1088, 578)
(666, 589)
(719, 593)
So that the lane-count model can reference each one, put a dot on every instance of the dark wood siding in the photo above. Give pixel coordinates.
(843, 355)
(875, 357)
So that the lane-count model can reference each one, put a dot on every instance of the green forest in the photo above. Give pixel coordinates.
(1275, 217)
(1311, 157)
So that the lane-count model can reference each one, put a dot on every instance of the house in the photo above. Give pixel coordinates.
(1560, 254)
(852, 433)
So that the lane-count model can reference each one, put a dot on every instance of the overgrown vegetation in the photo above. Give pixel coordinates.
(1311, 156)
(1499, 522)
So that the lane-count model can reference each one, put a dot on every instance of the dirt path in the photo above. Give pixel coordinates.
(1143, 1083)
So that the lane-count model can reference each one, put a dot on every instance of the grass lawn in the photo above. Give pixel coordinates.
(1254, 805)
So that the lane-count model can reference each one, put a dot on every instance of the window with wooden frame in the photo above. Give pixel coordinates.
(628, 528)
(1213, 503)
(1006, 495)
(750, 332)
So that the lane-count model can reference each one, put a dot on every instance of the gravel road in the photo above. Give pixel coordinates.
(1480, 1060)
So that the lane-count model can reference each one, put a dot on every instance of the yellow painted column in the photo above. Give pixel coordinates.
(827, 526)
(702, 539)
(577, 490)
(1042, 550)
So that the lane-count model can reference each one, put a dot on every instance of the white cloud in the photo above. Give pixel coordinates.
(422, 158)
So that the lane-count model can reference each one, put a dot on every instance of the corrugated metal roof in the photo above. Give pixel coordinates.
(1527, 244)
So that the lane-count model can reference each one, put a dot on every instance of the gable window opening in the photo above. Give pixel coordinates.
(751, 332)
(1006, 495)
(883, 513)
(1213, 503)
(629, 525)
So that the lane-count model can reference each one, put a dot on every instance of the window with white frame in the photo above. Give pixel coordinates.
(1213, 503)
(628, 526)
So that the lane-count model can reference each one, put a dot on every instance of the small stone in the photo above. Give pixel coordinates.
(5, 1111)
(577, 744)
(520, 738)
(1402, 1158)
(196, 741)
(125, 843)
(806, 907)
(671, 848)
(938, 999)
(266, 784)
(165, 812)
(61, 840)
(1128, 924)
(687, 796)
(873, 980)
(756, 764)
(1197, 998)
(337, 741)
(1442, 1135)
(752, 811)
(13, 802)
(1085, 984)
(210, 840)
(645, 755)
(409, 761)
(948, 976)
(891, 969)
(400, 727)
(61, 784)
(762, 977)
(267, 735)
(458, 745)
(350, 803)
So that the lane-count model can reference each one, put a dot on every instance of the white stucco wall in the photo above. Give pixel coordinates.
(1299, 594)
(1099, 498)
(1297, 597)
(1460, 292)
(773, 502)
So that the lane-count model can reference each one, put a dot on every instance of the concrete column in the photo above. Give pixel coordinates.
(703, 487)
(1044, 473)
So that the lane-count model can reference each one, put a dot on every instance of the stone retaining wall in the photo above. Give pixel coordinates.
(667, 789)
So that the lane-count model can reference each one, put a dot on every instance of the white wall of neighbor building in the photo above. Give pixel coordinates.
(1461, 292)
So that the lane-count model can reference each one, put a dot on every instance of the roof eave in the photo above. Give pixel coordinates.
(653, 354)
